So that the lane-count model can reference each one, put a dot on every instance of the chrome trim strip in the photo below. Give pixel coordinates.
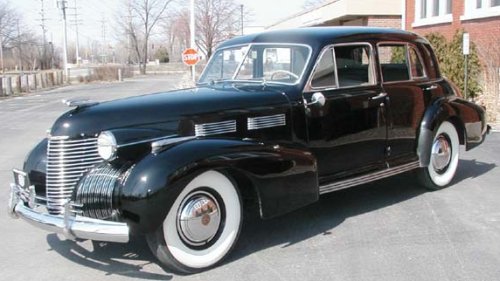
(157, 145)
(261, 122)
(368, 178)
(145, 141)
(79, 102)
(216, 128)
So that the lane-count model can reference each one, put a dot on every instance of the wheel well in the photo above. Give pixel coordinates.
(459, 126)
(249, 195)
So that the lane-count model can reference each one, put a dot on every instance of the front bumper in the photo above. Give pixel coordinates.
(24, 203)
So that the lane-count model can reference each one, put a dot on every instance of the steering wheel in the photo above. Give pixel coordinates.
(286, 72)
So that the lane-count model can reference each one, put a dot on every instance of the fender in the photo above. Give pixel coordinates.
(35, 165)
(468, 118)
(284, 178)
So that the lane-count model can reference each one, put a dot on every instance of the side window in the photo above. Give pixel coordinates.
(353, 65)
(400, 63)
(416, 66)
(393, 62)
(324, 74)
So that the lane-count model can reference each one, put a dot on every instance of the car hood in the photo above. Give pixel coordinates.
(164, 113)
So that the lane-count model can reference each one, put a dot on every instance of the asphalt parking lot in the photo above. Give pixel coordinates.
(388, 230)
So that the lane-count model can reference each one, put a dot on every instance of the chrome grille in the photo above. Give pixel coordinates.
(67, 161)
(95, 191)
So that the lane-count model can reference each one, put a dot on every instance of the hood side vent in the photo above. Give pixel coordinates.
(262, 122)
(217, 128)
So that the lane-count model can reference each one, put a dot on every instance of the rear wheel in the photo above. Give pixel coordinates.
(202, 225)
(443, 159)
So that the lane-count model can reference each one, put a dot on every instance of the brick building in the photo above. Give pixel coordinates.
(481, 19)
(381, 13)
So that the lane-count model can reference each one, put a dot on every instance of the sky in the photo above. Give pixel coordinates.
(93, 12)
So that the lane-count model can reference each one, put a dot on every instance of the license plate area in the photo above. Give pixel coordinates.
(26, 191)
(21, 179)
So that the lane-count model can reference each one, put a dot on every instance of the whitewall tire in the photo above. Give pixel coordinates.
(202, 225)
(444, 156)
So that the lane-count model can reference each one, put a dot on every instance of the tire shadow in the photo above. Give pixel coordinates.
(334, 208)
(126, 260)
(316, 219)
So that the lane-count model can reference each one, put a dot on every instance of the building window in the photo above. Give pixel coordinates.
(475, 9)
(423, 9)
(428, 12)
(448, 6)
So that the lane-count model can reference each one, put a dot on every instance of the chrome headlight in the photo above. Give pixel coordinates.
(106, 145)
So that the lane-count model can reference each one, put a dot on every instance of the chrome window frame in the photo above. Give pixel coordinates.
(372, 73)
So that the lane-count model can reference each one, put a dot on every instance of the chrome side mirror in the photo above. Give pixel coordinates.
(317, 99)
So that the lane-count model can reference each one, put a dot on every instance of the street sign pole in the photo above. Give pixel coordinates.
(466, 51)
(192, 42)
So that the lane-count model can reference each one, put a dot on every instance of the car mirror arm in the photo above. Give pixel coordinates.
(317, 99)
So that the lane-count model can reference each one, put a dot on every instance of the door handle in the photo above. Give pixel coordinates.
(379, 96)
(431, 87)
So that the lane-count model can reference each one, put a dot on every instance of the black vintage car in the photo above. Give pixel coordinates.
(277, 119)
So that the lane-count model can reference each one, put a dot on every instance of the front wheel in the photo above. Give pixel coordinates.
(443, 164)
(202, 225)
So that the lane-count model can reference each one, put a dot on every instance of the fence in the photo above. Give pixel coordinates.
(25, 83)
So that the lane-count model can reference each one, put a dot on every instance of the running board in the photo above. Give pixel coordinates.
(368, 178)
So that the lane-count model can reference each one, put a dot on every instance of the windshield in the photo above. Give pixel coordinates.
(276, 63)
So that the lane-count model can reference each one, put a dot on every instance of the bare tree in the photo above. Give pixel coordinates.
(8, 23)
(490, 58)
(216, 21)
(138, 22)
(176, 30)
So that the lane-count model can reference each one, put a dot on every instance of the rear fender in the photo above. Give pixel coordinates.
(468, 119)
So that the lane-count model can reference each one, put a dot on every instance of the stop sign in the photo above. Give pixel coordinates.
(190, 56)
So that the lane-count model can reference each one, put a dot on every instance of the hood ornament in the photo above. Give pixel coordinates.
(79, 102)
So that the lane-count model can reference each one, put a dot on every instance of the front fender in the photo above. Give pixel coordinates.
(284, 178)
(35, 165)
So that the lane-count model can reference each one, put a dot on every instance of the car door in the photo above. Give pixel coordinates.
(405, 81)
(347, 133)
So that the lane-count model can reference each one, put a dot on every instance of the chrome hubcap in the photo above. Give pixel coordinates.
(199, 218)
(441, 153)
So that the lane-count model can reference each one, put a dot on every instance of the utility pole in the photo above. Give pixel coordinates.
(76, 23)
(103, 33)
(19, 47)
(43, 63)
(241, 7)
(1, 47)
(62, 5)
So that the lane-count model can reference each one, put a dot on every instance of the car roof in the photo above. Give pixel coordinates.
(320, 36)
